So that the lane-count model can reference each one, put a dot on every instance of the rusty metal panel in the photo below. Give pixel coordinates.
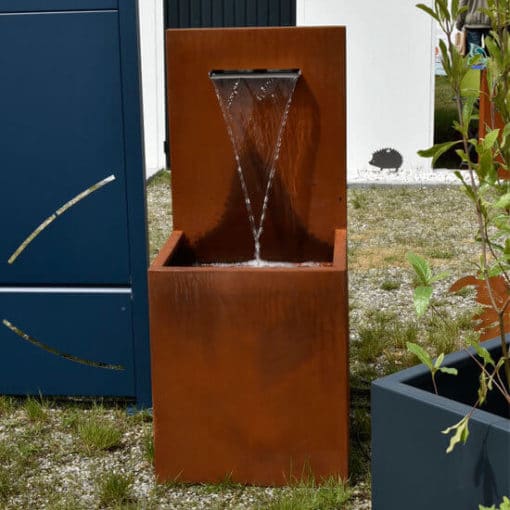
(250, 365)
(250, 371)
(308, 198)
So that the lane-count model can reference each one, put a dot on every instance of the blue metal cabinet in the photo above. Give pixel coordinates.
(72, 206)
(66, 343)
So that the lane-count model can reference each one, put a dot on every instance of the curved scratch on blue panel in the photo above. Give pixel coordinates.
(56, 214)
(56, 352)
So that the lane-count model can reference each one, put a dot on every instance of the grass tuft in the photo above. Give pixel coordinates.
(148, 447)
(390, 285)
(7, 405)
(97, 434)
(114, 490)
(330, 495)
(36, 409)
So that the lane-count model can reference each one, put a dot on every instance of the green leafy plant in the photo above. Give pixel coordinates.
(434, 366)
(486, 183)
(505, 505)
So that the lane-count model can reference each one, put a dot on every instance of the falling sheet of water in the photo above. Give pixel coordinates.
(240, 96)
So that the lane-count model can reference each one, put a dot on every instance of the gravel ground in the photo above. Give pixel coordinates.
(48, 461)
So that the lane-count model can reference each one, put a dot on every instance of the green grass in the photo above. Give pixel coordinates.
(358, 199)
(148, 447)
(390, 285)
(96, 434)
(35, 409)
(114, 490)
(332, 494)
(382, 333)
(16, 457)
(7, 405)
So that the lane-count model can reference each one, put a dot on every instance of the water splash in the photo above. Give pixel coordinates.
(261, 263)
(256, 109)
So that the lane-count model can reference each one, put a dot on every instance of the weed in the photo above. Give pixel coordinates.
(390, 285)
(97, 434)
(70, 418)
(8, 484)
(35, 409)
(438, 253)
(115, 489)
(444, 333)
(144, 416)
(465, 292)
(373, 337)
(329, 495)
(393, 259)
(359, 460)
(7, 405)
(359, 199)
(64, 503)
(383, 339)
(371, 344)
(148, 447)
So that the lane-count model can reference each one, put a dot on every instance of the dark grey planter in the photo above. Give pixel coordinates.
(410, 466)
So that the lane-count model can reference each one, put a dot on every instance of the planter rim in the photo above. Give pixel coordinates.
(398, 383)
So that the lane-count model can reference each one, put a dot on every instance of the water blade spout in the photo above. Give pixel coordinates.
(255, 105)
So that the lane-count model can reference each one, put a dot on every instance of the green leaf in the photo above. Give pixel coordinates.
(482, 352)
(421, 354)
(436, 151)
(428, 10)
(503, 202)
(440, 276)
(446, 370)
(461, 433)
(442, 8)
(490, 139)
(467, 110)
(449, 370)
(421, 267)
(505, 505)
(421, 299)
(483, 388)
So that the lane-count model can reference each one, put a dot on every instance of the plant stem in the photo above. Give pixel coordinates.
(504, 348)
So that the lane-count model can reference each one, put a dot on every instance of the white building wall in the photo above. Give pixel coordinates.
(389, 78)
(390, 81)
(153, 82)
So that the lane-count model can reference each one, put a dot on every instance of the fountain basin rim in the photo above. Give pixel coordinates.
(163, 261)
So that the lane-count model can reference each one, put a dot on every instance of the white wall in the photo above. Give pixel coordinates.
(389, 78)
(153, 74)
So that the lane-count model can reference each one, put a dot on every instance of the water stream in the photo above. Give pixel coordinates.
(256, 107)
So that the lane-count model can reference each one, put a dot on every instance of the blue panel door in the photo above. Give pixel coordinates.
(66, 344)
(61, 133)
(73, 253)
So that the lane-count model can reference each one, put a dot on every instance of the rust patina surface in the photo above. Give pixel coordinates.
(250, 365)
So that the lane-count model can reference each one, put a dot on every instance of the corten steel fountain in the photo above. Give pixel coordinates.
(248, 297)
